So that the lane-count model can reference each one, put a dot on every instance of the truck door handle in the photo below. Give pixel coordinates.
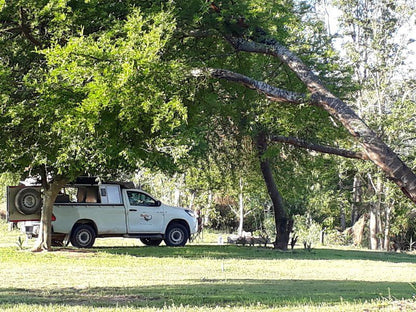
(132, 209)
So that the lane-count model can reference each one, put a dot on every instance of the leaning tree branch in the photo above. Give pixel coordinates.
(319, 148)
(378, 151)
(272, 93)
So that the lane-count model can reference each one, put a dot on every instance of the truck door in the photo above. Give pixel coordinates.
(144, 214)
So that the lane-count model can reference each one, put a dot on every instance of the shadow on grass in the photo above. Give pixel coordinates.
(207, 293)
(246, 252)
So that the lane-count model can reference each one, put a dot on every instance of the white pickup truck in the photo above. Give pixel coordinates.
(84, 211)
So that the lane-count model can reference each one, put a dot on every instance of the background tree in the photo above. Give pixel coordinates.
(376, 45)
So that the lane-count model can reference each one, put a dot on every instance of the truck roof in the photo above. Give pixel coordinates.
(82, 181)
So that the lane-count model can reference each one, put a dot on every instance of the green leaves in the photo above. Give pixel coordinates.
(101, 100)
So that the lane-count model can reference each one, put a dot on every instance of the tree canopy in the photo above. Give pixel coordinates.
(95, 87)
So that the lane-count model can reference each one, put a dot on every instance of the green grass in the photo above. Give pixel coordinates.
(128, 276)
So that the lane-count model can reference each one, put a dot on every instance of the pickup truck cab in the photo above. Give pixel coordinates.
(84, 211)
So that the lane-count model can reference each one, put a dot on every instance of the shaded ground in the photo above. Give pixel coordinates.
(203, 293)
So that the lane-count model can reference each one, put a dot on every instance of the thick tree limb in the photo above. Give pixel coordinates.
(376, 150)
(273, 93)
(319, 148)
(280, 95)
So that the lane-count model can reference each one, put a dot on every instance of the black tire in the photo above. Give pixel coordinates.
(176, 235)
(83, 236)
(151, 241)
(28, 201)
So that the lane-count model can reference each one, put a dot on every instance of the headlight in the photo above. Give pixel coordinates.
(191, 213)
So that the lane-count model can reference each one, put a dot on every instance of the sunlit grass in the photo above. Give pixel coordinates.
(124, 275)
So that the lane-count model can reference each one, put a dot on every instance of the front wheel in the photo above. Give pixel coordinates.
(83, 236)
(151, 241)
(176, 235)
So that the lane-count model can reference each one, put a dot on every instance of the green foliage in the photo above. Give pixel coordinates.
(102, 87)
(103, 101)
(6, 179)
(307, 230)
(376, 46)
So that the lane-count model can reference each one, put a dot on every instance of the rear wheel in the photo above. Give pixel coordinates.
(151, 241)
(83, 236)
(176, 235)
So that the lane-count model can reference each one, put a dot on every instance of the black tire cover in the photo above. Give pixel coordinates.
(28, 201)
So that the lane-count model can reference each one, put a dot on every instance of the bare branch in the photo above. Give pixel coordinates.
(200, 33)
(233, 210)
(248, 212)
(319, 148)
(11, 30)
(273, 93)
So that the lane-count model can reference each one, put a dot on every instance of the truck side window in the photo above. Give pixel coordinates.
(140, 199)
(88, 194)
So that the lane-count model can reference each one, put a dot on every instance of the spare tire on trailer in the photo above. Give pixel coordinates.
(28, 201)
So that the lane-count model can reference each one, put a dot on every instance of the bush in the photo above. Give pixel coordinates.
(307, 230)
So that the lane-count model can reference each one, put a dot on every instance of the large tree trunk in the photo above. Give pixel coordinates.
(284, 225)
(376, 150)
(51, 191)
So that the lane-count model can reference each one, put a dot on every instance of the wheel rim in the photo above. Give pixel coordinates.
(29, 201)
(177, 236)
(84, 238)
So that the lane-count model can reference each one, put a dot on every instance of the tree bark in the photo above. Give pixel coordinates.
(51, 191)
(379, 206)
(356, 199)
(376, 150)
(373, 227)
(373, 211)
(283, 224)
(386, 242)
(319, 148)
(192, 200)
(358, 230)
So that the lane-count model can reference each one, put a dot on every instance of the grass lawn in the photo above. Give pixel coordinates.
(123, 275)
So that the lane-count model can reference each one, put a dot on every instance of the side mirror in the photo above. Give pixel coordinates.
(158, 203)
